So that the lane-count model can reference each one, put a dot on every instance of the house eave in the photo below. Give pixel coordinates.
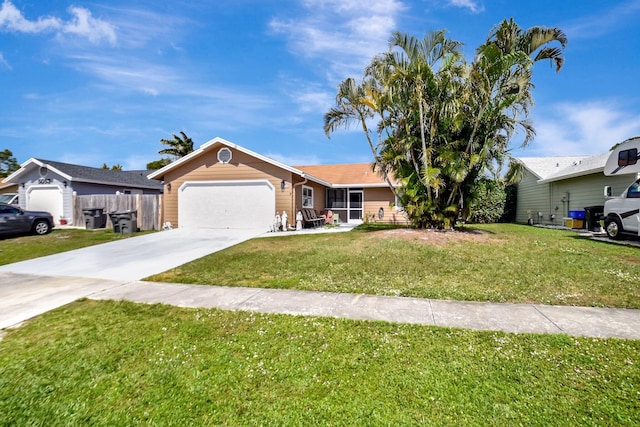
(23, 168)
(116, 184)
(571, 175)
(159, 174)
(374, 185)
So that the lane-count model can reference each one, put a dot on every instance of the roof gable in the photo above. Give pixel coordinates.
(87, 174)
(345, 175)
(585, 166)
(544, 167)
(218, 142)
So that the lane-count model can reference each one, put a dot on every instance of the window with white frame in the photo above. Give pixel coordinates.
(307, 197)
(398, 203)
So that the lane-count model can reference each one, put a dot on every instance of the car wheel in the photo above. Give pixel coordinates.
(41, 227)
(613, 227)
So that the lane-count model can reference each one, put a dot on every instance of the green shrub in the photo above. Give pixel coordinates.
(488, 202)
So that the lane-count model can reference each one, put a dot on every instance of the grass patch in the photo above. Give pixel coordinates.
(21, 248)
(501, 263)
(119, 363)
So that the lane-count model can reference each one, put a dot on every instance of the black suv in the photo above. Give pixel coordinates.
(14, 220)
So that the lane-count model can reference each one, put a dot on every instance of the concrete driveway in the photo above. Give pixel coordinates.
(136, 257)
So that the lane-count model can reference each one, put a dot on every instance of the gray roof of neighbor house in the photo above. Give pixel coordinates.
(78, 173)
(549, 169)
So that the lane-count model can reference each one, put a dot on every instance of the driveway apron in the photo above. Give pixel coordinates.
(136, 257)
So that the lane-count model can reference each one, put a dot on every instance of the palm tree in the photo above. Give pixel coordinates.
(357, 104)
(442, 124)
(509, 37)
(179, 146)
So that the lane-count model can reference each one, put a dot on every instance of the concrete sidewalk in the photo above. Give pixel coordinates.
(519, 318)
(23, 296)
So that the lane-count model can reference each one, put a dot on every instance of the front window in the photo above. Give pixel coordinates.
(336, 198)
(307, 197)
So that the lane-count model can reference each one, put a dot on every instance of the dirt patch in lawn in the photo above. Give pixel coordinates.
(438, 237)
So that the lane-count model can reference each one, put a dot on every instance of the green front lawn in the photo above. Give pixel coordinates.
(21, 248)
(118, 363)
(498, 262)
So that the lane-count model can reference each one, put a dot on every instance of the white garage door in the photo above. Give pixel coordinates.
(47, 199)
(226, 204)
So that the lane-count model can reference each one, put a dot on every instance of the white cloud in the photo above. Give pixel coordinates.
(139, 28)
(129, 73)
(311, 98)
(4, 63)
(343, 33)
(605, 21)
(82, 24)
(587, 128)
(472, 5)
(11, 19)
(85, 25)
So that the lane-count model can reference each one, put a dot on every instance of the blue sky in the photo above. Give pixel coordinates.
(93, 82)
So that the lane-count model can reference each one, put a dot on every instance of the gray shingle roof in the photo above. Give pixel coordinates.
(104, 176)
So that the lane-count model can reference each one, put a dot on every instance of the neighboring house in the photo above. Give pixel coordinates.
(224, 185)
(48, 185)
(8, 188)
(553, 186)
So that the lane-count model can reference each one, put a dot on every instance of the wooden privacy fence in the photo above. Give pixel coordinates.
(148, 207)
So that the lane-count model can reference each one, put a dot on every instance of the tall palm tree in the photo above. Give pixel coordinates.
(509, 37)
(417, 76)
(357, 104)
(179, 146)
(440, 123)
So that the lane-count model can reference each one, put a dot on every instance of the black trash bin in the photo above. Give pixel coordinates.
(94, 218)
(115, 221)
(593, 216)
(124, 222)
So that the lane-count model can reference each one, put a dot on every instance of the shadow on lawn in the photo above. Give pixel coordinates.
(378, 226)
(626, 240)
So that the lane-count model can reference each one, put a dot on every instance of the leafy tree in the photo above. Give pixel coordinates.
(488, 199)
(116, 167)
(8, 163)
(440, 125)
(179, 146)
(158, 164)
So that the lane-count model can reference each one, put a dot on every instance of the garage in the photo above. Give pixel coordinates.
(46, 198)
(226, 204)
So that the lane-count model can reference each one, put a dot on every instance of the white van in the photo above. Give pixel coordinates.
(622, 213)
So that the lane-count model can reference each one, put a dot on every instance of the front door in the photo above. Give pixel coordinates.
(355, 205)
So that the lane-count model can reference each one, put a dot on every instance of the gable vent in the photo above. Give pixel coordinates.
(224, 155)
